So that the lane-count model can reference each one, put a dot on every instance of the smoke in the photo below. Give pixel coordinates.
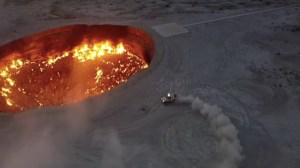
(116, 154)
(35, 152)
(113, 152)
(40, 139)
(229, 145)
(43, 139)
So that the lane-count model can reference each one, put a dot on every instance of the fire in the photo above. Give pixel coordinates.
(88, 69)
(87, 52)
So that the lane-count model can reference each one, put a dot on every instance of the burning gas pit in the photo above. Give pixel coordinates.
(68, 64)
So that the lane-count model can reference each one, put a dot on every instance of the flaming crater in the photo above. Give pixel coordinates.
(68, 64)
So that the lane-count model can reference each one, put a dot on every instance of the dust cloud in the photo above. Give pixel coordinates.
(229, 144)
(39, 139)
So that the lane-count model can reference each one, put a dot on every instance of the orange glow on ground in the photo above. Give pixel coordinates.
(88, 69)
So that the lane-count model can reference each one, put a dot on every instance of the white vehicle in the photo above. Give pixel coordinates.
(170, 98)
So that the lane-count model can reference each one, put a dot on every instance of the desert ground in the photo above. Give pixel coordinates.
(241, 55)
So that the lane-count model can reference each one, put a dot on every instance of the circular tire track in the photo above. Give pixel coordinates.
(189, 139)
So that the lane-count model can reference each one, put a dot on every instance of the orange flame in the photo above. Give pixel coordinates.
(86, 70)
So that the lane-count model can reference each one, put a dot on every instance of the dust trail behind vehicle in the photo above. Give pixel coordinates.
(229, 143)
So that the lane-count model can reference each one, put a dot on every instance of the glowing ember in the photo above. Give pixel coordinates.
(85, 70)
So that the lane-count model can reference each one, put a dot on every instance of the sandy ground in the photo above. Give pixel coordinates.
(248, 66)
